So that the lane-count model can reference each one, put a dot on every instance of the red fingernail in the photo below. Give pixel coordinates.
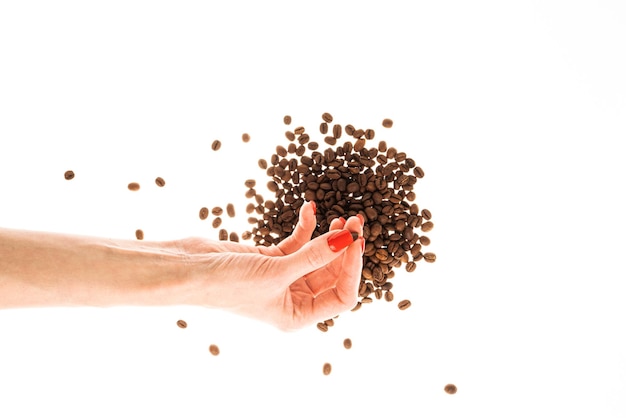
(341, 240)
(342, 220)
(314, 207)
(361, 218)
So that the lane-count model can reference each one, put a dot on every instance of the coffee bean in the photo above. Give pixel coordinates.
(230, 210)
(287, 120)
(69, 175)
(181, 323)
(250, 193)
(349, 130)
(410, 267)
(387, 123)
(139, 234)
(245, 138)
(216, 145)
(204, 213)
(216, 222)
(159, 182)
(223, 235)
(327, 117)
(246, 235)
(322, 326)
(330, 140)
(299, 130)
(405, 304)
(430, 257)
(133, 187)
(358, 133)
(323, 128)
(347, 343)
(234, 237)
(262, 164)
(252, 220)
(388, 295)
(281, 151)
(426, 214)
(290, 135)
(419, 173)
(327, 369)
(369, 133)
(250, 208)
(250, 183)
(427, 226)
(214, 349)
(337, 131)
(450, 389)
(424, 240)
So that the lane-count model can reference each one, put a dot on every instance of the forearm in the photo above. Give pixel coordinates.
(46, 269)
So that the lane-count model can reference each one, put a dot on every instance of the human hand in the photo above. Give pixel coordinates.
(296, 283)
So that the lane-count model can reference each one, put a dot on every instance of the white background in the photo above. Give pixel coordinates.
(515, 111)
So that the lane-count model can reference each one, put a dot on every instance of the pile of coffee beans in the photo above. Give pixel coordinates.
(345, 180)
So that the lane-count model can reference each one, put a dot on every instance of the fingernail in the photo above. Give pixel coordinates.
(341, 240)
(361, 218)
(314, 207)
(362, 245)
(342, 220)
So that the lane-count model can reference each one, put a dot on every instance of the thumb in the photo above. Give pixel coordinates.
(318, 252)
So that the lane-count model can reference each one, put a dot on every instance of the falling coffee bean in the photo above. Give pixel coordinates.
(214, 349)
(216, 222)
(159, 182)
(133, 187)
(234, 237)
(287, 120)
(139, 234)
(230, 210)
(405, 304)
(181, 323)
(204, 213)
(223, 235)
(328, 118)
(263, 164)
(217, 211)
(326, 369)
(245, 138)
(387, 123)
(216, 145)
(347, 343)
(69, 175)
(322, 326)
(430, 257)
(450, 389)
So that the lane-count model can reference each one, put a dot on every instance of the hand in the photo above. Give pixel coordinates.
(296, 283)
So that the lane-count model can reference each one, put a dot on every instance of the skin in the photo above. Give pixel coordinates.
(291, 285)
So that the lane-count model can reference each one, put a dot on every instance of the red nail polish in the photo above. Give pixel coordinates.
(342, 220)
(314, 207)
(341, 240)
(358, 215)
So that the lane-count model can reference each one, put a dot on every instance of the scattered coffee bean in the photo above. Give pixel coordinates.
(216, 145)
(139, 234)
(250, 208)
(262, 164)
(427, 226)
(159, 182)
(223, 235)
(430, 257)
(230, 210)
(217, 211)
(287, 120)
(387, 123)
(234, 237)
(133, 187)
(405, 304)
(323, 128)
(347, 343)
(204, 213)
(388, 295)
(214, 349)
(328, 118)
(246, 235)
(181, 323)
(337, 131)
(245, 138)
(216, 222)
(327, 369)
(369, 133)
(450, 389)
(299, 130)
(322, 326)
(69, 175)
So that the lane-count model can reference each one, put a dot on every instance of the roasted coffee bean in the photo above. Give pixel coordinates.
(327, 369)
(358, 133)
(68, 175)
(216, 145)
(216, 222)
(450, 389)
(133, 187)
(230, 210)
(323, 128)
(327, 117)
(250, 193)
(246, 235)
(299, 130)
(337, 131)
(181, 323)
(272, 186)
(234, 237)
(424, 240)
(369, 133)
(290, 135)
(281, 151)
(250, 183)
(329, 322)
(250, 208)
(347, 343)
(263, 164)
(427, 226)
(245, 138)
(388, 295)
(214, 349)
(217, 211)
(349, 130)
(405, 304)
(139, 234)
(322, 326)
(223, 235)
(204, 213)
(159, 182)
(387, 123)
(330, 140)
(419, 173)
(410, 267)
(313, 145)
(426, 214)
(252, 220)
(287, 120)
(430, 257)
